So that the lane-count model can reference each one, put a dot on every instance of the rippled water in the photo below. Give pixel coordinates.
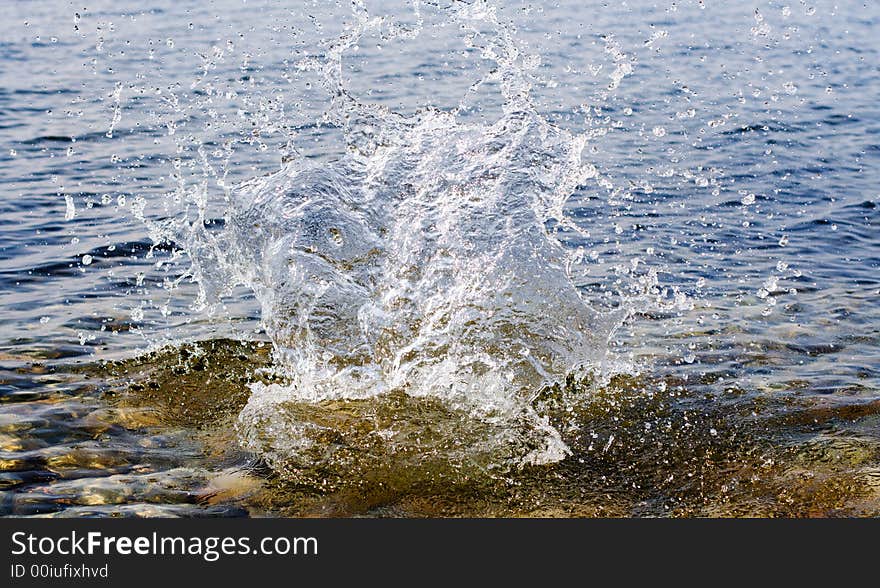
(544, 260)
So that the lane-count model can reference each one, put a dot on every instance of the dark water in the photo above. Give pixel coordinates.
(737, 161)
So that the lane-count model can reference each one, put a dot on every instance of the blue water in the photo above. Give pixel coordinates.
(737, 158)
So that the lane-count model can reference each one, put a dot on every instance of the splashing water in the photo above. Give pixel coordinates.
(428, 260)
(440, 249)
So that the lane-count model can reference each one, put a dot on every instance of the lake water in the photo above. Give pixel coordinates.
(440, 259)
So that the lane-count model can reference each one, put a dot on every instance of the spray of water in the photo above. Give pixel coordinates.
(426, 262)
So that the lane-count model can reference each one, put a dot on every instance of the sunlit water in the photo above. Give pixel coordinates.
(452, 259)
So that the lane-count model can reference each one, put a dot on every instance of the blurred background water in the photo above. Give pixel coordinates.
(739, 158)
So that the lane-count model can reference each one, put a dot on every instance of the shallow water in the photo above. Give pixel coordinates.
(732, 219)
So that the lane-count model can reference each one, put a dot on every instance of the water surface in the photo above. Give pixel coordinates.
(567, 260)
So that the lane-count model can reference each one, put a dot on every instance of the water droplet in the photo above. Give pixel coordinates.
(86, 259)
(790, 88)
(659, 131)
(70, 208)
(748, 199)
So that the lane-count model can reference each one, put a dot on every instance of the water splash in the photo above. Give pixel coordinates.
(428, 260)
